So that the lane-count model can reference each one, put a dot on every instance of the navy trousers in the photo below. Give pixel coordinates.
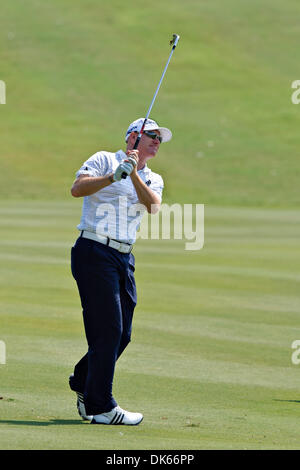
(105, 280)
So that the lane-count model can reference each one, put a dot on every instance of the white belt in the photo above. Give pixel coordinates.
(122, 247)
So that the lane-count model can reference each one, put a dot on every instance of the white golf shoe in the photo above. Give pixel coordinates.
(81, 408)
(118, 416)
(80, 401)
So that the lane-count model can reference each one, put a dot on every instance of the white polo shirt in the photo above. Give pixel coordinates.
(115, 211)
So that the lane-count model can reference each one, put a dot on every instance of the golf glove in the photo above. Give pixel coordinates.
(132, 161)
(124, 167)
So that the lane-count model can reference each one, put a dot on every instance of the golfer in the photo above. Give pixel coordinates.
(103, 264)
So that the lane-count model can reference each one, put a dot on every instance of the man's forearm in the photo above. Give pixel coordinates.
(145, 195)
(87, 185)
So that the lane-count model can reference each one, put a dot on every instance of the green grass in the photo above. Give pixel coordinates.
(77, 75)
(210, 360)
(209, 364)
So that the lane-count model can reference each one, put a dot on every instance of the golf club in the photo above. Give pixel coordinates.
(173, 43)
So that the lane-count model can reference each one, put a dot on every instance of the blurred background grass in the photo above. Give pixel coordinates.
(78, 73)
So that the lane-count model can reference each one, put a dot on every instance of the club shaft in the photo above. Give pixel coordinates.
(174, 42)
(160, 82)
(153, 99)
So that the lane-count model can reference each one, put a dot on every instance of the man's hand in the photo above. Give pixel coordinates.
(133, 158)
(124, 167)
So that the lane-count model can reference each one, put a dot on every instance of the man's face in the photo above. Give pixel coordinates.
(148, 147)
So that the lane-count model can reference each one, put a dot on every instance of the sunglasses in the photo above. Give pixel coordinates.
(153, 135)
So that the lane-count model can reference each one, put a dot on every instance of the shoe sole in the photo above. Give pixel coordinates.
(117, 424)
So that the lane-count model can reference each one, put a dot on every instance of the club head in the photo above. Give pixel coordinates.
(175, 40)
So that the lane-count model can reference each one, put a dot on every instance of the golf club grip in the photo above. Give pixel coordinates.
(124, 175)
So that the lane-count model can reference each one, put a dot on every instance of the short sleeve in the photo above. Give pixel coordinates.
(157, 185)
(96, 165)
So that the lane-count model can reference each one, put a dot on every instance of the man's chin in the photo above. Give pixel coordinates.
(153, 152)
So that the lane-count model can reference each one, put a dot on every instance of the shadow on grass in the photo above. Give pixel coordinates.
(287, 401)
(51, 422)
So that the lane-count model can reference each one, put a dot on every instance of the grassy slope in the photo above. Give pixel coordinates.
(214, 343)
(76, 76)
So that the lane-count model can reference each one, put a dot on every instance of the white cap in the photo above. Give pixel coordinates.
(150, 125)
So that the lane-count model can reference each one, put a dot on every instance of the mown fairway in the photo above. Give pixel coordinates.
(210, 360)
